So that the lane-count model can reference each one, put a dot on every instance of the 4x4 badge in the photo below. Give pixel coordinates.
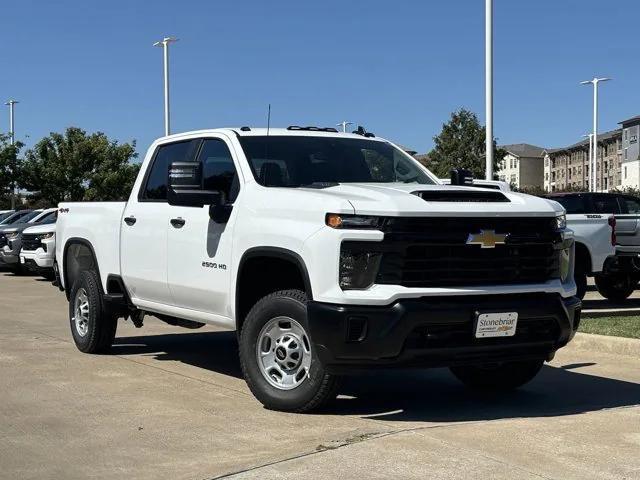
(487, 238)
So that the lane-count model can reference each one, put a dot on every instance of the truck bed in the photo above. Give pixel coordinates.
(95, 222)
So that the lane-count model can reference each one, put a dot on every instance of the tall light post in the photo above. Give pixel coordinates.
(590, 136)
(12, 135)
(488, 47)
(164, 43)
(344, 125)
(595, 81)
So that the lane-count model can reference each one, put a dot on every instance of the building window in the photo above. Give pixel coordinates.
(625, 173)
(626, 151)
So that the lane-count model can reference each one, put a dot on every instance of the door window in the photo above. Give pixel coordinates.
(155, 186)
(218, 171)
(606, 204)
(632, 205)
(571, 203)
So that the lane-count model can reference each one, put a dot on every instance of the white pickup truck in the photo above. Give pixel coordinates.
(328, 253)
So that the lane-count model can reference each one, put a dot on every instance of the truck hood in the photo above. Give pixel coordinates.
(401, 199)
(46, 228)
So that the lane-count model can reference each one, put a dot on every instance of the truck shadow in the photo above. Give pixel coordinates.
(432, 395)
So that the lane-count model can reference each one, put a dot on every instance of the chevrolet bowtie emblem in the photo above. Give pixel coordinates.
(487, 238)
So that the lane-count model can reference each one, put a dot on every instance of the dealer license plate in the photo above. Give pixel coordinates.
(496, 324)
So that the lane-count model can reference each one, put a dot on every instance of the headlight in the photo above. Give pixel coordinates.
(11, 236)
(561, 221)
(44, 236)
(358, 269)
(339, 220)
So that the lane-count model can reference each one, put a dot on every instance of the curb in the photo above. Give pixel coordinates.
(606, 344)
(609, 312)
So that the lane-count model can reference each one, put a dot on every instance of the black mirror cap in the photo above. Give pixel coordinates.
(461, 176)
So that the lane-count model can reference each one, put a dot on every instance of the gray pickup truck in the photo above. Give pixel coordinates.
(621, 272)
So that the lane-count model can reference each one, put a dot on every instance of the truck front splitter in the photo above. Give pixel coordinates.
(439, 331)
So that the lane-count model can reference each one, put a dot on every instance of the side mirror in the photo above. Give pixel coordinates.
(185, 186)
(461, 176)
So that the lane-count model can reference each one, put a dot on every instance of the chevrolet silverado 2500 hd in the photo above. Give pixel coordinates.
(328, 253)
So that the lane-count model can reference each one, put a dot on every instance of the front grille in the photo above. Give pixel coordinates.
(30, 241)
(432, 252)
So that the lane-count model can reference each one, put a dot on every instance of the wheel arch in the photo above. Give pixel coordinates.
(277, 255)
(70, 274)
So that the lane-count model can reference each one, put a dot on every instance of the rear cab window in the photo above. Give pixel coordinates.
(571, 203)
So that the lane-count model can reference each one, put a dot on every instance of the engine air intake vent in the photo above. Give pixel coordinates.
(461, 196)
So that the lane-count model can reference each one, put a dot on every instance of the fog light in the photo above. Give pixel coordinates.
(358, 270)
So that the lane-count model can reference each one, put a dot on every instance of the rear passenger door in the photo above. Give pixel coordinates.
(627, 222)
(143, 258)
(200, 247)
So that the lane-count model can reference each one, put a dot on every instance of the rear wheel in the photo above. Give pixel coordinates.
(498, 377)
(92, 327)
(616, 287)
(277, 357)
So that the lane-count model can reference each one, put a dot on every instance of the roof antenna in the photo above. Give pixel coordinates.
(268, 119)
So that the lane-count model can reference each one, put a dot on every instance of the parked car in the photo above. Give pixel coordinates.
(12, 235)
(38, 248)
(328, 253)
(619, 276)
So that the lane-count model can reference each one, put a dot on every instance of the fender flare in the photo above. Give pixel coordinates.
(273, 252)
(77, 241)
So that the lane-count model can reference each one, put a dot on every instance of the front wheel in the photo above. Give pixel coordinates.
(501, 377)
(616, 287)
(277, 357)
(92, 327)
(580, 277)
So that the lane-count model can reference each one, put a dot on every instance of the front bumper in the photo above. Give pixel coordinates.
(9, 256)
(435, 332)
(36, 259)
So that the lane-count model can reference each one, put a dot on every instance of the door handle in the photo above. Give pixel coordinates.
(129, 220)
(178, 222)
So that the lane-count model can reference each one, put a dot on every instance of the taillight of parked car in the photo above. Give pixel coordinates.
(612, 224)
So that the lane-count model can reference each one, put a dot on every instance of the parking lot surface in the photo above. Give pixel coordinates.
(171, 403)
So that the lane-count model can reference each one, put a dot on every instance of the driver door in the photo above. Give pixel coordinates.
(199, 247)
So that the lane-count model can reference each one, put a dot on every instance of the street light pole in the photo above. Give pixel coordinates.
(164, 43)
(344, 125)
(12, 137)
(489, 88)
(590, 136)
(595, 81)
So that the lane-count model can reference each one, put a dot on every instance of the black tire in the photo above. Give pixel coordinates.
(316, 389)
(48, 274)
(616, 287)
(580, 277)
(100, 324)
(500, 377)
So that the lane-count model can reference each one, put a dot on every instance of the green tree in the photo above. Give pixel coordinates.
(461, 144)
(77, 166)
(9, 167)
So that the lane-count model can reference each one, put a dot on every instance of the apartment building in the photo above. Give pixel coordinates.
(630, 173)
(568, 167)
(522, 166)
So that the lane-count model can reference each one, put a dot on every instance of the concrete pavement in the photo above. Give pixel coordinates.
(170, 403)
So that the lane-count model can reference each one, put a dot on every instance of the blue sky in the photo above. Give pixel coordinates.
(398, 68)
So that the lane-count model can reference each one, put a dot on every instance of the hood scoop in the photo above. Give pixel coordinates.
(462, 196)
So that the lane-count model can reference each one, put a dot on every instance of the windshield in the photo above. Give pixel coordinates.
(50, 217)
(27, 217)
(13, 217)
(281, 161)
(4, 216)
